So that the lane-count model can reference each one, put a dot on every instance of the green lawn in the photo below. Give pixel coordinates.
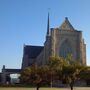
(75, 88)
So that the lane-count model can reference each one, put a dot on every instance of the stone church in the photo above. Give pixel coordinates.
(59, 41)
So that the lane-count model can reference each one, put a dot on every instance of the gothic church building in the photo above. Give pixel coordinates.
(60, 41)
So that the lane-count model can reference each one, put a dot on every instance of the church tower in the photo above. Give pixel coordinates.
(66, 40)
(63, 41)
(47, 44)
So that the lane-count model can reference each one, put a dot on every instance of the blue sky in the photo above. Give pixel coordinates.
(25, 22)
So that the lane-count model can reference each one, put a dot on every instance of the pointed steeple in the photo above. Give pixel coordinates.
(48, 28)
(66, 25)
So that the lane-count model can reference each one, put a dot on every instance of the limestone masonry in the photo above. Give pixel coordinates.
(60, 41)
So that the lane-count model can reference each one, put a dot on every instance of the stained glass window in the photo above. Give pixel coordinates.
(65, 49)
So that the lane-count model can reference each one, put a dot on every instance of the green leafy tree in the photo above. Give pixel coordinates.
(30, 76)
(85, 74)
(36, 75)
(71, 72)
(54, 66)
(25, 75)
(66, 69)
(58, 68)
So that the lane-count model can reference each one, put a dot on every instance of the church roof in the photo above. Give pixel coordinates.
(66, 25)
(32, 51)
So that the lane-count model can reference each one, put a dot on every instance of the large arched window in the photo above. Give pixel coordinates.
(65, 49)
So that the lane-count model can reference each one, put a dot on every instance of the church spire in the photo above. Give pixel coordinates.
(48, 28)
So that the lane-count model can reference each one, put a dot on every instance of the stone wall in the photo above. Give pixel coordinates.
(75, 39)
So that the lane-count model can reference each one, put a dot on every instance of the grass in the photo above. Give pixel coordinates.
(20, 88)
(12, 88)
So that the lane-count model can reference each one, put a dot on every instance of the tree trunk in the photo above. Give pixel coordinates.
(37, 88)
(71, 85)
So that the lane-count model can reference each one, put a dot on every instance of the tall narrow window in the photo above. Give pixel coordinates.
(65, 49)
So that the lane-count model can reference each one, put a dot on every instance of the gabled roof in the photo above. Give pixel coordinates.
(66, 25)
(32, 51)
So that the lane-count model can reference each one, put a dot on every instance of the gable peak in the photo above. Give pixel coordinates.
(66, 25)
